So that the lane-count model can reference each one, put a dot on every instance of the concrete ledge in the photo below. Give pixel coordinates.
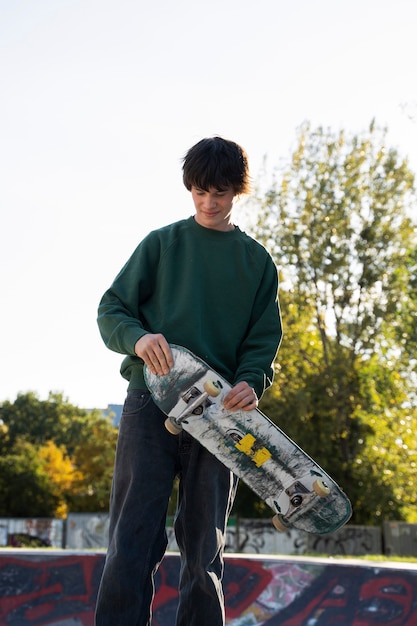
(59, 588)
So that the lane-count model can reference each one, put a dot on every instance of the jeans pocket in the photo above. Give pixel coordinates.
(136, 400)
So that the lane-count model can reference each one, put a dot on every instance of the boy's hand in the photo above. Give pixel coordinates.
(156, 353)
(242, 396)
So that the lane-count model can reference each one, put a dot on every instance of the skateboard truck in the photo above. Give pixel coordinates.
(195, 400)
(298, 495)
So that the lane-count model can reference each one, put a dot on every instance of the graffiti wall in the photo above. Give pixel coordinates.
(248, 536)
(32, 532)
(87, 530)
(58, 588)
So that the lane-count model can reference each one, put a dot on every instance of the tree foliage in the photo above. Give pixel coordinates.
(338, 220)
(25, 487)
(54, 457)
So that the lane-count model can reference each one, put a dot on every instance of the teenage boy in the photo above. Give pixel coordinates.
(204, 284)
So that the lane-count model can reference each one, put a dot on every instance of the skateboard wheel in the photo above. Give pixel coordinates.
(172, 427)
(212, 388)
(279, 524)
(321, 488)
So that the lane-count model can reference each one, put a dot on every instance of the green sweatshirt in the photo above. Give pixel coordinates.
(213, 292)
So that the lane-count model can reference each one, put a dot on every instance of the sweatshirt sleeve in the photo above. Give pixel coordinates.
(258, 350)
(119, 319)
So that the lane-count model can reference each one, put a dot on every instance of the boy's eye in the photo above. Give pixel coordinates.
(217, 194)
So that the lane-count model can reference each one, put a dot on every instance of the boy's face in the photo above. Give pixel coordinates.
(214, 207)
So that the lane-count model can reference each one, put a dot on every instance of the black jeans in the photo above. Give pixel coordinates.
(148, 459)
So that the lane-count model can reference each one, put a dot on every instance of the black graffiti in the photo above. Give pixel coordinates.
(350, 540)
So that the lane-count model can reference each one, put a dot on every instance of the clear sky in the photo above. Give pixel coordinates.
(99, 101)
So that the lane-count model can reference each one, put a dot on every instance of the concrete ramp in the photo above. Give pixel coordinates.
(59, 588)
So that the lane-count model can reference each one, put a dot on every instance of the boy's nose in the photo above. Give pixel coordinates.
(210, 202)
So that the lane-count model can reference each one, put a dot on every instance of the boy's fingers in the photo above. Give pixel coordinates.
(156, 353)
(242, 396)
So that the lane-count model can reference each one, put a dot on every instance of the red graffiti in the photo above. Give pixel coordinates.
(46, 590)
(354, 596)
(43, 589)
(387, 600)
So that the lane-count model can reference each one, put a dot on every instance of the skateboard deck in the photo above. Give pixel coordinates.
(299, 492)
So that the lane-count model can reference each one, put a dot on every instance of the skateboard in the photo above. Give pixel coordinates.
(298, 491)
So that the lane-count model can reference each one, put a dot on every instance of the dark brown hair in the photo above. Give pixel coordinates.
(216, 162)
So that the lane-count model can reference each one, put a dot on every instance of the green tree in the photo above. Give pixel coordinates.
(25, 487)
(94, 459)
(39, 420)
(337, 218)
(55, 457)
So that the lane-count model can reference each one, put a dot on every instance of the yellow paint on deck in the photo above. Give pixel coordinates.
(259, 456)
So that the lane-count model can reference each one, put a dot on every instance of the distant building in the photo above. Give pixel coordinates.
(115, 411)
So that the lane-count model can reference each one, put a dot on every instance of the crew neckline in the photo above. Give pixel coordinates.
(212, 232)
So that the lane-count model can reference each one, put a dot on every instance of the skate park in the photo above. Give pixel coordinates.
(270, 578)
(45, 587)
